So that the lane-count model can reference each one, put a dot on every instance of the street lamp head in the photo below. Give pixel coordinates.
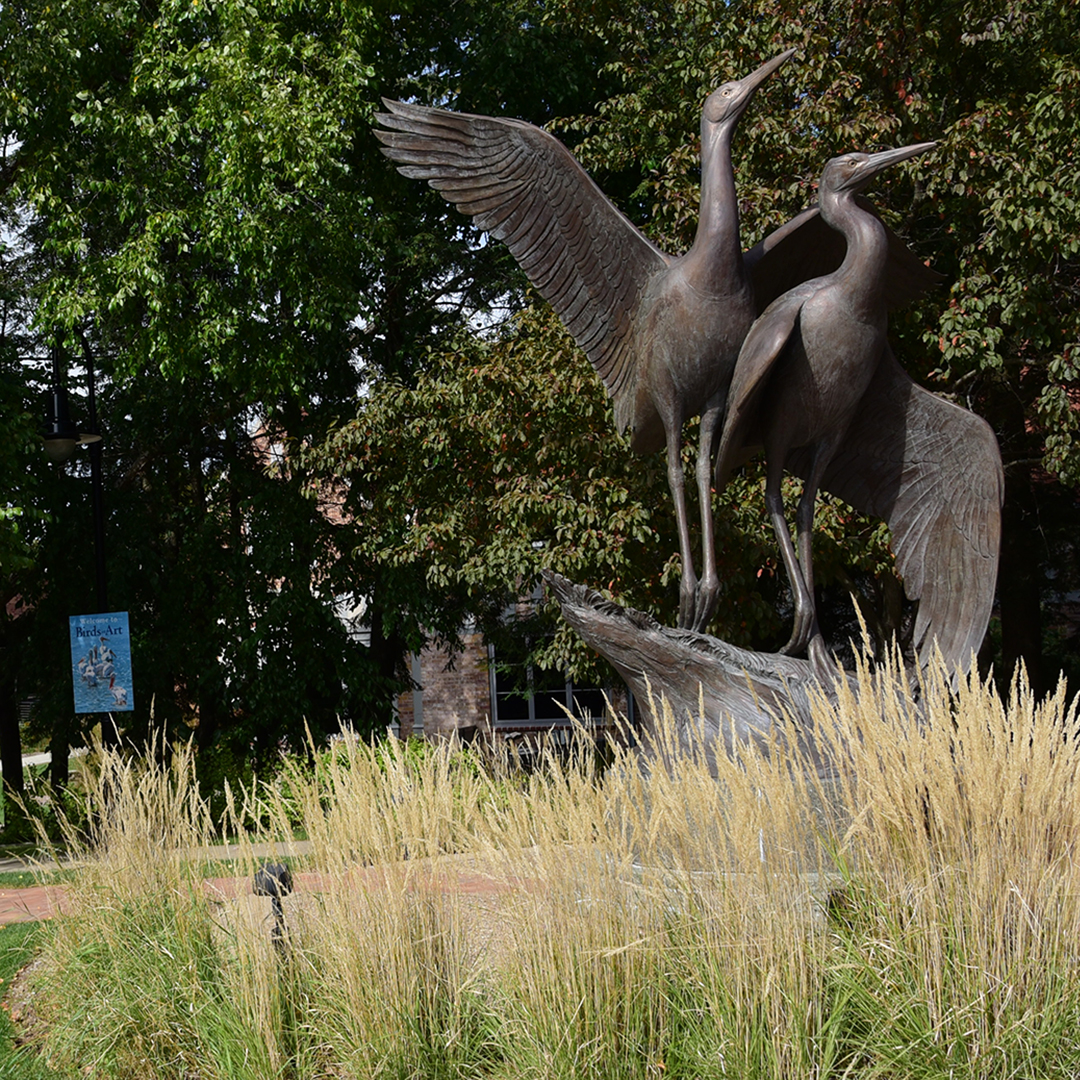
(61, 436)
(57, 448)
(272, 879)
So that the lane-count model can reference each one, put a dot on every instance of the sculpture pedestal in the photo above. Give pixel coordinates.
(729, 695)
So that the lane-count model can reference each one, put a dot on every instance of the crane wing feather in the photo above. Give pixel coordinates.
(760, 350)
(932, 470)
(525, 188)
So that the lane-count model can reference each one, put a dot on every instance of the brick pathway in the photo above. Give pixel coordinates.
(462, 876)
(30, 904)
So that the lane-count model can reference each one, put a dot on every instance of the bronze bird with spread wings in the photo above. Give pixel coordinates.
(817, 386)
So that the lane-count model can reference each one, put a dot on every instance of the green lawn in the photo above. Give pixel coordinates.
(16, 950)
(19, 879)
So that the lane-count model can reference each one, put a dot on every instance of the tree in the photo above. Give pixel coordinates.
(647, 127)
(199, 183)
(995, 84)
(188, 177)
(214, 227)
(18, 512)
(17, 432)
(499, 461)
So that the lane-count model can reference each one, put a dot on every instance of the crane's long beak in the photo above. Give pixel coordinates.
(876, 163)
(751, 82)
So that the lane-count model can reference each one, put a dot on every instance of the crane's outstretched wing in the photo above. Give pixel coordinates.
(760, 351)
(525, 188)
(805, 248)
(932, 470)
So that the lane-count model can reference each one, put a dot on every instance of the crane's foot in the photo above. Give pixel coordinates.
(697, 603)
(688, 588)
(804, 630)
(705, 599)
(821, 658)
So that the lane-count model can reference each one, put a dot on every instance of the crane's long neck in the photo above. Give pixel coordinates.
(863, 268)
(716, 254)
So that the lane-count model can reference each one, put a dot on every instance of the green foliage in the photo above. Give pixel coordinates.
(16, 439)
(18, 442)
(220, 238)
(215, 230)
(219, 768)
(185, 173)
(41, 811)
(499, 461)
(993, 209)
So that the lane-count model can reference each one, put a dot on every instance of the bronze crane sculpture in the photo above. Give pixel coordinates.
(818, 387)
(663, 332)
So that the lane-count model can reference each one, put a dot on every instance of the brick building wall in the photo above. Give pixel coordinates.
(458, 699)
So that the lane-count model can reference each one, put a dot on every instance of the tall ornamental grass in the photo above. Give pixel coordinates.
(912, 914)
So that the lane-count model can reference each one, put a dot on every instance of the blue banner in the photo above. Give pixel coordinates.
(101, 663)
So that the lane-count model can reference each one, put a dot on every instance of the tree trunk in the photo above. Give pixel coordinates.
(1008, 406)
(390, 653)
(59, 770)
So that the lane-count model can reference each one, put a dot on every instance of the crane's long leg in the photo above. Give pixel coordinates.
(806, 628)
(677, 484)
(708, 589)
(804, 601)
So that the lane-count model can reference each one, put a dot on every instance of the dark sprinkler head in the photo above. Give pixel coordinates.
(273, 879)
(727, 102)
(852, 172)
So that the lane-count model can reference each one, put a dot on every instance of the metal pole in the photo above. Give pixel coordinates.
(110, 737)
(97, 494)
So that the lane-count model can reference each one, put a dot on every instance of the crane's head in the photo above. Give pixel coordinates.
(727, 102)
(853, 172)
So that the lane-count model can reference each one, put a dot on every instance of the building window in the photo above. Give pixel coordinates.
(525, 697)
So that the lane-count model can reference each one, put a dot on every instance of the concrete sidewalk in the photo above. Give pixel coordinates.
(14, 864)
(46, 758)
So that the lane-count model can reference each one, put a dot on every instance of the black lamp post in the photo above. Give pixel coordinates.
(61, 436)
